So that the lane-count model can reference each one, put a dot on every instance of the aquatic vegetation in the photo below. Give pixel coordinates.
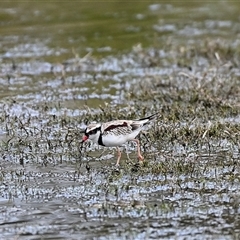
(191, 153)
(51, 185)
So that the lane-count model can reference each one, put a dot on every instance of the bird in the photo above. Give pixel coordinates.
(117, 132)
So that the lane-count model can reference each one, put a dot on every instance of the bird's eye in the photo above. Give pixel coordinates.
(94, 131)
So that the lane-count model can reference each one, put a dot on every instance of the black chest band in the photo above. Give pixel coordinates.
(100, 142)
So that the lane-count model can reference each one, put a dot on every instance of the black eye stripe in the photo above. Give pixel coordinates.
(94, 131)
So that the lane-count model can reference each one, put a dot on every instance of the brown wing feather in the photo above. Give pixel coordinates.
(120, 127)
(135, 126)
(113, 126)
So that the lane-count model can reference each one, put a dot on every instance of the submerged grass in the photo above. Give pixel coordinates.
(191, 152)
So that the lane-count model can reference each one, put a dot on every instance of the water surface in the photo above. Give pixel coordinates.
(64, 65)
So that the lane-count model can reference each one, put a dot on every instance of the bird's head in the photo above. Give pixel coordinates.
(92, 132)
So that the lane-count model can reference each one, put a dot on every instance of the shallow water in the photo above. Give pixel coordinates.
(64, 65)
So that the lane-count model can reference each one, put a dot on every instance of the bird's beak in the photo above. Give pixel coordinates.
(84, 138)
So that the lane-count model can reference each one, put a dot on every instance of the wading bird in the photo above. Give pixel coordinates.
(117, 132)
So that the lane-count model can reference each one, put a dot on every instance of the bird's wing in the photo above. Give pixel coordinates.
(120, 127)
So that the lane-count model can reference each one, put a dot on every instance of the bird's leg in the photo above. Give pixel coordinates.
(119, 156)
(140, 157)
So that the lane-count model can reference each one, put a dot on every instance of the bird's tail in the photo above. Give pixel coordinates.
(149, 118)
